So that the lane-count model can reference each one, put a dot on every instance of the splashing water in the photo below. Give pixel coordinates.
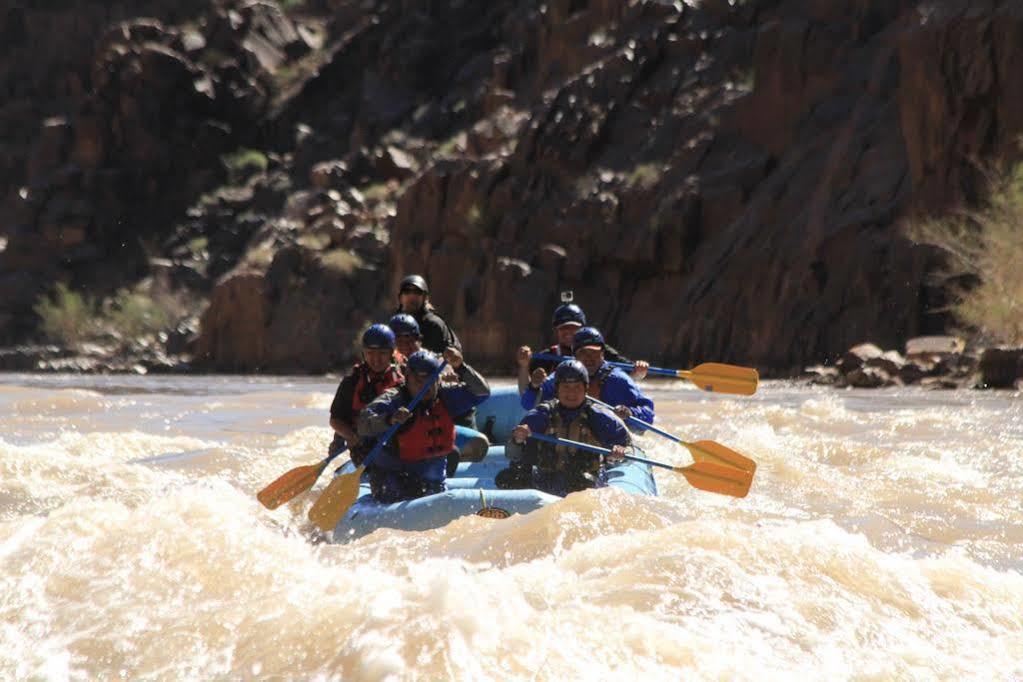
(880, 540)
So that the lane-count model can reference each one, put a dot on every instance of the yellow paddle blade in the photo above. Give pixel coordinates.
(290, 485)
(717, 478)
(721, 378)
(335, 500)
(709, 451)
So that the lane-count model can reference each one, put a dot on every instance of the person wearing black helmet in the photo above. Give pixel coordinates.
(377, 372)
(610, 384)
(567, 320)
(556, 469)
(414, 300)
(415, 462)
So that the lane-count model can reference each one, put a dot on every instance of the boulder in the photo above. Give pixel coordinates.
(1001, 367)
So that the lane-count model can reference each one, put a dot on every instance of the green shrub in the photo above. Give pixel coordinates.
(133, 315)
(244, 162)
(985, 246)
(67, 317)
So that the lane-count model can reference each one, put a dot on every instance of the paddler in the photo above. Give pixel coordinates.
(406, 333)
(414, 300)
(378, 371)
(557, 469)
(414, 463)
(567, 320)
(608, 383)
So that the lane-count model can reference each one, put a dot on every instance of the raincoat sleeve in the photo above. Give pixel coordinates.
(608, 428)
(471, 390)
(374, 418)
(537, 420)
(620, 389)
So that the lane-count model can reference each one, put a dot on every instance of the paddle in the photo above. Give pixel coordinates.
(709, 476)
(344, 489)
(702, 451)
(709, 376)
(293, 483)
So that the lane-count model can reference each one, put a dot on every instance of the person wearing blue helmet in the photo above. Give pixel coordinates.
(377, 372)
(609, 384)
(406, 333)
(568, 318)
(556, 469)
(415, 461)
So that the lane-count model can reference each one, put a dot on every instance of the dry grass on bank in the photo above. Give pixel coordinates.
(986, 246)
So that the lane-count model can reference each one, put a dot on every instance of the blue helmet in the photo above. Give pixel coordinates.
(378, 336)
(423, 362)
(567, 314)
(571, 370)
(404, 324)
(587, 337)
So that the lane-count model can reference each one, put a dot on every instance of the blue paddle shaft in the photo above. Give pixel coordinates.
(551, 357)
(638, 423)
(593, 448)
(411, 408)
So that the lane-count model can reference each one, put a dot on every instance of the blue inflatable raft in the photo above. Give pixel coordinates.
(472, 488)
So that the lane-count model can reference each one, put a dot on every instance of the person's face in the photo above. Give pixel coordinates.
(378, 359)
(408, 344)
(592, 358)
(571, 394)
(411, 300)
(566, 332)
(415, 384)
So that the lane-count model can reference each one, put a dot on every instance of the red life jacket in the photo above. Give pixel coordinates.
(370, 384)
(432, 434)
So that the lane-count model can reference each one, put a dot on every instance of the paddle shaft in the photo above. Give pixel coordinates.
(593, 448)
(382, 441)
(551, 357)
(638, 423)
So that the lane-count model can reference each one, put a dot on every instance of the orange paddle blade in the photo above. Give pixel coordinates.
(335, 500)
(290, 485)
(717, 478)
(710, 451)
(721, 378)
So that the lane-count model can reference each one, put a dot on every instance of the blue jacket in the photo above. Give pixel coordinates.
(607, 427)
(618, 389)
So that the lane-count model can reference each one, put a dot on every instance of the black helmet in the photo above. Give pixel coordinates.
(568, 313)
(414, 282)
(378, 336)
(404, 324)
(587, 337)
(571, 370)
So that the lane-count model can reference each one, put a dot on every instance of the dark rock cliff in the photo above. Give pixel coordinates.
(714, 181)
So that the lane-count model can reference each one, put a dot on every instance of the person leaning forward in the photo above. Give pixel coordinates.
(609, 384)
(378, 371)
(414, 299)
(558, 469)
(567, 320)
(414, 462)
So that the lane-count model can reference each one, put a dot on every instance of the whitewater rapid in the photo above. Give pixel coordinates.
(881, 540)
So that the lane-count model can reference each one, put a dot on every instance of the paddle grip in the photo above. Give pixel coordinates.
(411, 408)
(593, 448)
